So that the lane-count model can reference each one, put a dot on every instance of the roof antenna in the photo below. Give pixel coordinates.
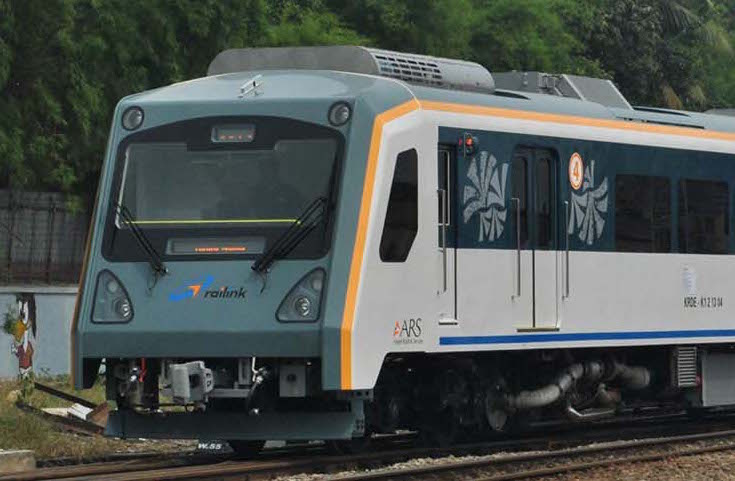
(251, 86)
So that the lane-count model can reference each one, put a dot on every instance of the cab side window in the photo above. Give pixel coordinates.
(703, 216)
(401, 219)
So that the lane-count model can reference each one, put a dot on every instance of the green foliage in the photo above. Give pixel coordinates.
(309, 22)
(65, 63)
(436, 27)
(70, 61)
(538, 38)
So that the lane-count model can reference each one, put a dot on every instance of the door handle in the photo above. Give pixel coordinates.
(517, 202)
(566, 250)
(443, 198)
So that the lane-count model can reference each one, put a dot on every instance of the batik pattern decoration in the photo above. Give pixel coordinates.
(484, 196)
(589, 208)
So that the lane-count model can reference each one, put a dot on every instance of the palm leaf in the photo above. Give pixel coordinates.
(715, 36)
(670, 98)
(677, 17)
(696, 95)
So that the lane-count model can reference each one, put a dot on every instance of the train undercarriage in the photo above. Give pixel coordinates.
(445, 398)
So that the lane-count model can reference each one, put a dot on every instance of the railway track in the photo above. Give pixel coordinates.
(110, 458)
(521, 455)
(536, 464)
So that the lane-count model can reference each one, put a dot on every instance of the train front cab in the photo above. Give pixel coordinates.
(183, 294)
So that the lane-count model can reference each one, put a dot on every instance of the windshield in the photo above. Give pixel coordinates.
(208, 186)
(167, 185)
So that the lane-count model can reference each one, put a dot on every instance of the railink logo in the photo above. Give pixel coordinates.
(199, 289)
(407, 331)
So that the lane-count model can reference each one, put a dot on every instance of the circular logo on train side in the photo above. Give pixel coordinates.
(576, 171)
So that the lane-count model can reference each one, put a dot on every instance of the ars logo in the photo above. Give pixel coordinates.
(407, 331)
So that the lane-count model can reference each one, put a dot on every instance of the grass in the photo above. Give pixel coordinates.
(21, 430)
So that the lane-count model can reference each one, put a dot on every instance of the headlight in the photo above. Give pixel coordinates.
(132, 118)
(111, 301)
(303, 306)
(303, 302)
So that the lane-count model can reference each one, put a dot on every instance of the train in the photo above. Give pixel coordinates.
(330, 243)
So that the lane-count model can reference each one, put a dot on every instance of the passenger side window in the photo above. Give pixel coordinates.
(401, 219)
(519, 178)
(703, 217)
(544, 200)
(445, 184)
(642, 214)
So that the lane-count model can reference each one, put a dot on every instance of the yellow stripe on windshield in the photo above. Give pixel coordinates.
(219, 221)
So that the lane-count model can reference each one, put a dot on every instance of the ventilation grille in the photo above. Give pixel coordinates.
(409, 68)
(685, 363)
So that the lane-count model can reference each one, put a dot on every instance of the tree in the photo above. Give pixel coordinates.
(531, 35)
(433, 27)
(655, 49)
(34, 78)
(307, 22)
(62, 78)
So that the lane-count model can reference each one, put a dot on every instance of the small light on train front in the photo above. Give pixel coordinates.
(112, 287)
(132, 118)
(339, 113)
(303, 302)
(122, 308)
(303, 306)
(111, 301)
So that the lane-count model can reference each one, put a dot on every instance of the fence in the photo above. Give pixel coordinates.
(41, 239)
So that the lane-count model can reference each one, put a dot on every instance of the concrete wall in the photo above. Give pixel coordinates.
(54, 308)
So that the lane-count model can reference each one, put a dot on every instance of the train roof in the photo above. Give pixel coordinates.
(391, 77)
(545, 103)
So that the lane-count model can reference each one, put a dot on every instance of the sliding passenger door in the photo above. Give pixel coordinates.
(533, 207)
(447, 233)
(546, 257)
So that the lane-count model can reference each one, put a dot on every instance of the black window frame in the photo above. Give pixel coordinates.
(119, 245)
(628, 179)
(531, 157)
(684, 223)
(411, 155)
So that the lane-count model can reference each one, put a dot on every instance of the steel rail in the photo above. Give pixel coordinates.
(305, 459)
(111, 458)
(576, 467)
(421, 472)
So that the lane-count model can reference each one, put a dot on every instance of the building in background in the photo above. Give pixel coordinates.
(41, 249)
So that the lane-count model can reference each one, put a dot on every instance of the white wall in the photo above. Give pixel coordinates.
(52, 344)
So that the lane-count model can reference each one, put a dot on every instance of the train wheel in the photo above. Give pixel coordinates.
(246, 449)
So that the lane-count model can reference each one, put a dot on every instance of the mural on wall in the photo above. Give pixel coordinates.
(20, 323)
(589, 207)
(484, 196)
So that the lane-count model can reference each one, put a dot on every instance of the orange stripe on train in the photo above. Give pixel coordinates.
(353, 283)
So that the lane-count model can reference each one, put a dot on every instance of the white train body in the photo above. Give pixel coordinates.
(613, 298)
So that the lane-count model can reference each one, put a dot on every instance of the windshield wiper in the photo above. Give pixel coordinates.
(299, 229)
(154, 259)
